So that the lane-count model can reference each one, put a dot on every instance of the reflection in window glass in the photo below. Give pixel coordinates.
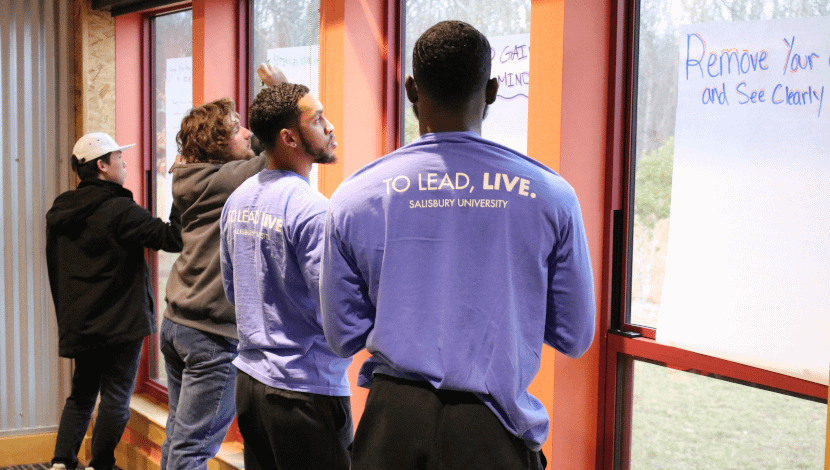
(287, 34)
(172, 53)
(507, 26)
(653, 152)
(684, 420)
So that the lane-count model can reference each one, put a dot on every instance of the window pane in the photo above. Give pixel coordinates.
(507, 26)
(172, 98)
(655, 117)
(688, 421)
(287, 34)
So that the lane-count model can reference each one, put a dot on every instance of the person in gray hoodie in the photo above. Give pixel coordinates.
(198, 332)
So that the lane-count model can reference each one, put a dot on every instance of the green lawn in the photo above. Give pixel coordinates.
(686, 421)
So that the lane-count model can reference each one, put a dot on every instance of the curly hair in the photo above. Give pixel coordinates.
(207, 132)
(451, 61)
(274, 109)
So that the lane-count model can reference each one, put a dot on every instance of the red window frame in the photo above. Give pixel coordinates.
(626, 342)
(144, 383)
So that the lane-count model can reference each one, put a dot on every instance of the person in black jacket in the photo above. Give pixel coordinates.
(95, 240)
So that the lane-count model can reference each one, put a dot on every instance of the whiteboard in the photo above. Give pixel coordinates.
(178, 99)
(748, 262)
(506, 121)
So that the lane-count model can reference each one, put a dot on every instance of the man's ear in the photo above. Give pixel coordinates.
(289, 138)
(411, 89)
(102, 167)
(491, 91)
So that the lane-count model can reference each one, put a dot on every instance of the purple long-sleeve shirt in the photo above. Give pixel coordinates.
(452, 260)
(272, 238)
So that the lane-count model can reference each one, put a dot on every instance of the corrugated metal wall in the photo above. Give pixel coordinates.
(36, 137)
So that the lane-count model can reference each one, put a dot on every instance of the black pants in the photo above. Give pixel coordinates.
(412, 426)
(110, 370)
(286, 430)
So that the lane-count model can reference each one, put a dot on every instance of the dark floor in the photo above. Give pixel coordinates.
(37, 466)
(31, 466)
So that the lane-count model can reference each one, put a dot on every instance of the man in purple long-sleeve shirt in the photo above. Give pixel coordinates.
(452, 260)
(292, 393)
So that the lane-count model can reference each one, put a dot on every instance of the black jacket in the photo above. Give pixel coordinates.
(95, 240)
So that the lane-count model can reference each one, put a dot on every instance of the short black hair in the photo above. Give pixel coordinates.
(275, 108)
(451, 61)
(89, 169)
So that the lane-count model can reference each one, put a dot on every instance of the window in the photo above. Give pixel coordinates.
(506, 24)
(686, 420)
(660, 40)
(172, 97)
(286, 34)
(714, 104)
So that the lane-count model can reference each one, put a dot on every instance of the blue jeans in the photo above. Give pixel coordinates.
(200, 390)
(110, 370)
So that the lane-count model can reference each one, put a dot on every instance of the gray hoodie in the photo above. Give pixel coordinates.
(195, 296)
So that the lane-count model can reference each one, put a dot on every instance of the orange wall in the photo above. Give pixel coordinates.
(352, 48)
(215, 50)
(584, 120)
(566, 131)
(353, 53)
(547, 20)
(128, 76)
(332, 92)
(364, 53)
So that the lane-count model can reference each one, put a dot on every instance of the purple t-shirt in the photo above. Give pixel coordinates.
(272, 238)
(452, 260)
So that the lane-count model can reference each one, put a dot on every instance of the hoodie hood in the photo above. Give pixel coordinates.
(191, 181)
(71, 209)
(204, 187)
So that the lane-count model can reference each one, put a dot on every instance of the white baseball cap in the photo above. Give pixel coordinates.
(94, 145)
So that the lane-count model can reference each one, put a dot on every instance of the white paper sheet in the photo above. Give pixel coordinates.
(506, 121)
(748, 264)
(178, 99)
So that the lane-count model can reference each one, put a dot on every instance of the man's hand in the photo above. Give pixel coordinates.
(271, 74)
